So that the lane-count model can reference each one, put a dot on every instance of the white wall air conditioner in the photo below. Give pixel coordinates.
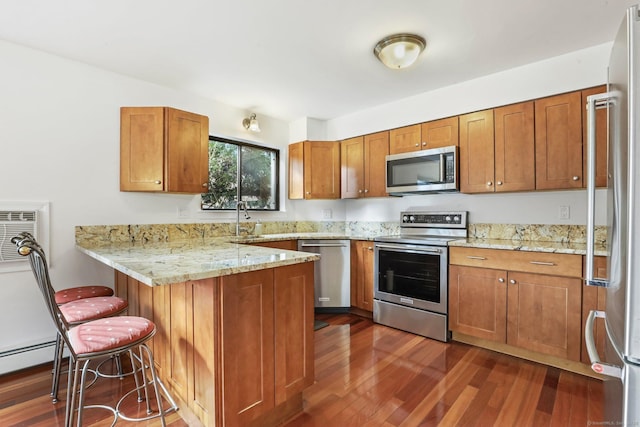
(14, 220)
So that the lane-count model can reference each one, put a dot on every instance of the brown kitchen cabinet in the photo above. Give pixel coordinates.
(528, 300)
(236, 349)
(601, 137)
(314, 170)
(405, 139)
(163, 149)
(439, 133)
(558, 126)
(291, 245)
(362, 273)
(497, 150)
(363, 163)
(477, 152)
(595, 298)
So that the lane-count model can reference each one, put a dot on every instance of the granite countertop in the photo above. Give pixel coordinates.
(174, 262)
(577, 248)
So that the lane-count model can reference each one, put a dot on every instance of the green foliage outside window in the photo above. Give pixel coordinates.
(258, 185)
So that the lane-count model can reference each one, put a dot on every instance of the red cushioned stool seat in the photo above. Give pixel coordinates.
(64, 296)
(109, 334)
(86, 309)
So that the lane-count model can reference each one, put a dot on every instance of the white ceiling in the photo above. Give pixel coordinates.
(298, 58)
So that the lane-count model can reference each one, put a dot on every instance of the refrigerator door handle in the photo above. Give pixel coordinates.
(593, 101)
(597, 365)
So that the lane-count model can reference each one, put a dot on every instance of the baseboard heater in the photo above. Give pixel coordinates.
(26, 349)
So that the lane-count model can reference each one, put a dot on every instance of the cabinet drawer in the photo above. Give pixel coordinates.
(528, 262)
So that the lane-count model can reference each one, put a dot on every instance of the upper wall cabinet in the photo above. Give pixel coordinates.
(405, 139)
(314, 170)
(601, 138)
(363, 163)
(477, 164)
(163, 149)
(439, 133)
(558, 126)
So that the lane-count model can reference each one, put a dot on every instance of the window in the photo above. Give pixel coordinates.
(242, 171)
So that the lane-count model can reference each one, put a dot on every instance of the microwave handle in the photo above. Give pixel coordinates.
(443, 167)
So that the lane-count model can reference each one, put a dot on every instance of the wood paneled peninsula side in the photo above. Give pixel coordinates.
(235, 324)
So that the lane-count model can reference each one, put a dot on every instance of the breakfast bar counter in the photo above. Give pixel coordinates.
(234, 341)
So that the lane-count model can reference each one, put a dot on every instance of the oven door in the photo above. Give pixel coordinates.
(411, 275)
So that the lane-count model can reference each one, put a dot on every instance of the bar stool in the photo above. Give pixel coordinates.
(97, 339)
(78, 305)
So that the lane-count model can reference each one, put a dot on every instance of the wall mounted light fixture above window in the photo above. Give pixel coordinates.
(251, 123)
(399, 50)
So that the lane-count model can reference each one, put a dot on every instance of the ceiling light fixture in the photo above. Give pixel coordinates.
(251, 123)
(399, 50)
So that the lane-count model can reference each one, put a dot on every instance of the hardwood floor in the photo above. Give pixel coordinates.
(372, 375)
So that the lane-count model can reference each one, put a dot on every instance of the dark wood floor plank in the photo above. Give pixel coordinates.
(369, 375)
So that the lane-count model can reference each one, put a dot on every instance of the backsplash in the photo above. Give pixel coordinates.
(106, 234)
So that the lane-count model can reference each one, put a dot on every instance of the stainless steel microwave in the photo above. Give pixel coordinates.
(424, 171)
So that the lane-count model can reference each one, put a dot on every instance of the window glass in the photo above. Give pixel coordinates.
(241, 171)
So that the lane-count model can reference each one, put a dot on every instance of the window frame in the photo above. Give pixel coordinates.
(275, 173)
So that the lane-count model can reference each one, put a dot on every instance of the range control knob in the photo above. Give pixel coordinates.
(447, 218)
(412, 218)
(456, 218)
(405, 218)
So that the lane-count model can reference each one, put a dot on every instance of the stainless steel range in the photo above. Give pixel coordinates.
(411, 273)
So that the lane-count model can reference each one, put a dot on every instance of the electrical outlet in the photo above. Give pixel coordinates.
(183, 213)
(327, 214)
(563, 212)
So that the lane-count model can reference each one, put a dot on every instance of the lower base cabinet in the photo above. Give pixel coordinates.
(362, 273)
(236, 350)
(524, 309)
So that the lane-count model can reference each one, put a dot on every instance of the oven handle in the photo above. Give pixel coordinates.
(409, 249)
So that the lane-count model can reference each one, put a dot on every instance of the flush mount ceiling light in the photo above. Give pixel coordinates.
(399, 50)
(251, 123)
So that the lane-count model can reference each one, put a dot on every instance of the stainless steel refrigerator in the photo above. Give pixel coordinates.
(621, 361)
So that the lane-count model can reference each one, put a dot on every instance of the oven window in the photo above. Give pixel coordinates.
(409, 275)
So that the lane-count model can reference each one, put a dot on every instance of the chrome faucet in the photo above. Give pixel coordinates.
(241, 205)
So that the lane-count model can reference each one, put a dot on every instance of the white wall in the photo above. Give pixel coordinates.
(573, 71)
(59, 139)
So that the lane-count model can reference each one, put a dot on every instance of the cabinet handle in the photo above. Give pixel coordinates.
(424, 143)
(512, 281)
(481, 258)
(158, 182)
(370, 248)
(489, 183)
(417, 144)
(501, 280)
(366, 191)
(499, 183)
(308, 192)
(205, 185)
(575, 177)
(550, 264)
(360, 191)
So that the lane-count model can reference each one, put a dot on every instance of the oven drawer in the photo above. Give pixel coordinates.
(569, 265)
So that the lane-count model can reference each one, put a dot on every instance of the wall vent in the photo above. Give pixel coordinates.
(16, 217)
(12, 223)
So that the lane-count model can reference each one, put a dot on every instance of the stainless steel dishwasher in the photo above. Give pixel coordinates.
(332, 274)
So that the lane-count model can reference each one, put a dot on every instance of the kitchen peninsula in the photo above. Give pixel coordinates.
(235, 323)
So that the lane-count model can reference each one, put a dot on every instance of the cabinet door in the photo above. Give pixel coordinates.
(558, 126)
(291, 245)
(248, 343)
(405, 139)
(362, 274)
(294, 358)
(544, 314)
(601, 138)
(321, 170)
(352, 167)
(595, 298)
(440, 133)
(477, 152)
(142, 149)
(376, 149)
(478, 302)
(296, 170)
(187, 152)
(514, 148)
